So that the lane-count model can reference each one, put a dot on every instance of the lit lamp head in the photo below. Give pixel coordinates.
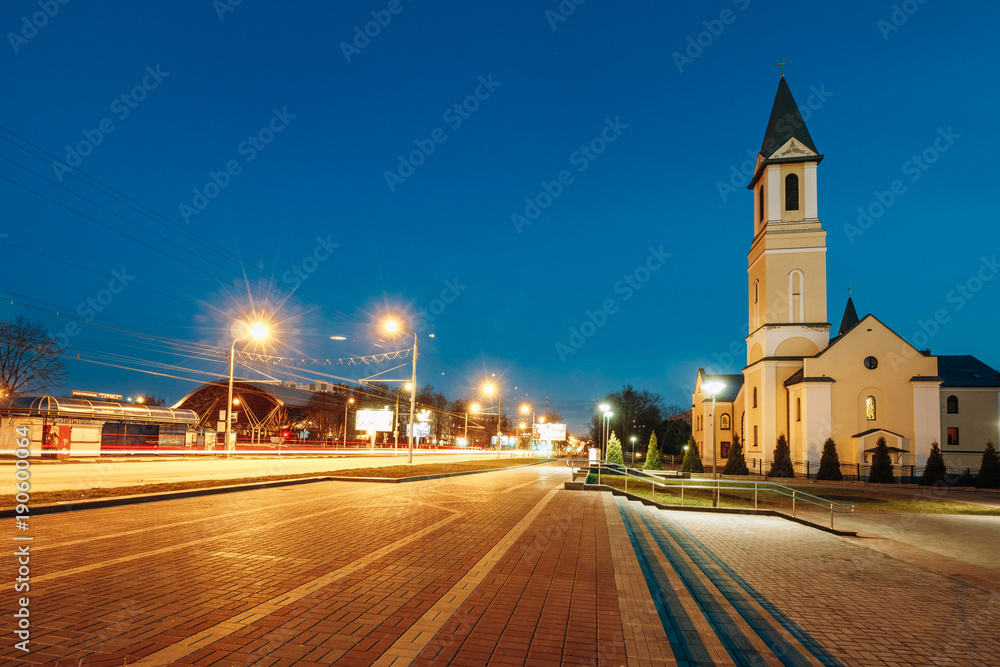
(608, 414)
(392, 326)
(258, 331)
(474, 407)
(604, 407)
(713, 387)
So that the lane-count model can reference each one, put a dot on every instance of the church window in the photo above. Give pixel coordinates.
(791, 192)
(953, 405)
(798, 409)
(795, 301)
(755, 435)
(724, 422)
(870, 408)
(760, 203)
(952, 435)
(755, 397)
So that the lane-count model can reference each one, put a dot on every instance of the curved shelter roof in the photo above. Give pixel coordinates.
(81, 408)
(259, 402)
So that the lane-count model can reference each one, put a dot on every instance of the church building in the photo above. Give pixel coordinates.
(855, 384)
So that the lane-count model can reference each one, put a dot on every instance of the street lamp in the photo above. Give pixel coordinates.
(392, 326)
(525, 409)
(633, 439)
(488, 389)
(604, 407)
(712, 388)
(257, 331)
(349, 403)
(607, 426)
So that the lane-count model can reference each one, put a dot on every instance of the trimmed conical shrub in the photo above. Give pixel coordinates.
(615, 450)
(829, 463)
(692, 459)
(652, 455)
(935, 471)
(781, 466)
(989, 469)
(736, 464)
(881, 472)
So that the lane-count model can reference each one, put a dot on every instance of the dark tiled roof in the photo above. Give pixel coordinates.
(964, 370)
(733, 382)
(796, 377)
(785, 123)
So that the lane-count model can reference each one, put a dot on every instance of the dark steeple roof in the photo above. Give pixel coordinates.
(785, 122)
(850, 318)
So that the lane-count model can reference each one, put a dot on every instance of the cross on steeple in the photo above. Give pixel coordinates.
(782, 66)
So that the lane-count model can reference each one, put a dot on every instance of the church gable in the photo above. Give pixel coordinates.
(868, 350)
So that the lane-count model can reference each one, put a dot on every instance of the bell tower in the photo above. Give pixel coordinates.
(786, 269)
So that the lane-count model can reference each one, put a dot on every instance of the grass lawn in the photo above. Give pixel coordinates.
(390, 472)
(931, 500)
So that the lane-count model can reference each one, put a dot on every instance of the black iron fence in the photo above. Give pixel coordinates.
(854, 472)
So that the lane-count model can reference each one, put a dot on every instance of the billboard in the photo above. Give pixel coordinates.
(373, 420)
(423, 430)
(549, 432)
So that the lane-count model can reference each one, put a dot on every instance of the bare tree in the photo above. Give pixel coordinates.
(30, 360)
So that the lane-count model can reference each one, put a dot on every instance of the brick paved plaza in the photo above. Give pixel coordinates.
(496, 568)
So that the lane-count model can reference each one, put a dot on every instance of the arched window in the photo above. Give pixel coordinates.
(953, 405)
(756, 304)
(798, 409)
(755, 397)
(796, 312)
(870, 408)
(791, 192)
(760, 203)
(724, 422)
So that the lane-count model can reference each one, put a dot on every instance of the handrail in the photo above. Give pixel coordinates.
(718, 484)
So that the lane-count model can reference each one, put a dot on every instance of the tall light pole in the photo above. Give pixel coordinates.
(257, 331)
(392, 326)
(633, 439)
(712, 388)
(349, 402)
(604, 407)
(525, 409)
(488, 389)
(607, 426)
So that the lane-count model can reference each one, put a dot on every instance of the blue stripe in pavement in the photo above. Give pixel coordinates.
(688, 650)
(733, 639)
(808, 643)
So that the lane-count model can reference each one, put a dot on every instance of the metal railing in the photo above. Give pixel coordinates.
(716, 485)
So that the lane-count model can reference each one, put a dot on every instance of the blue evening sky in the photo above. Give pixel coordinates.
(258, 144)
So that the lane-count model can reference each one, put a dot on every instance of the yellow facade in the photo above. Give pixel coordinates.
(864, 384)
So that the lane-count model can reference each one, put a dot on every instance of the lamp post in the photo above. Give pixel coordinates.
(393, 326)
(349, 402)
(603, 407)
(712, 388)
(257, 331)
(633, 439)
(607, 427)
(488, 389)
(525, 409)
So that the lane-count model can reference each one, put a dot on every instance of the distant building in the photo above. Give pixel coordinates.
(864, 383)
